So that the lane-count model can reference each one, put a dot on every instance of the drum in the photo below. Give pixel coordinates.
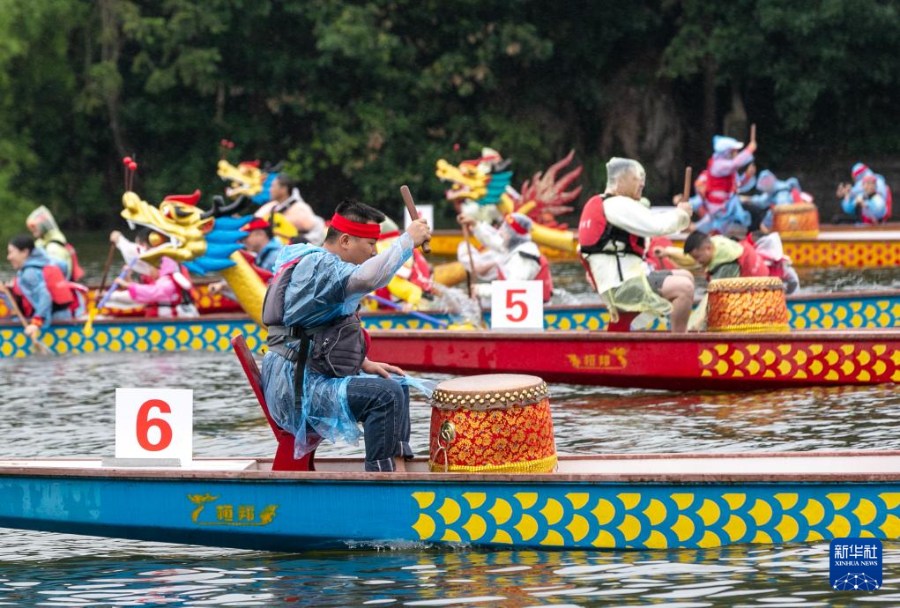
(747, 305)
(493, 423)
(796, 220)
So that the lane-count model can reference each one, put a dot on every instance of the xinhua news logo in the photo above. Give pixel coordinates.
(856, 564)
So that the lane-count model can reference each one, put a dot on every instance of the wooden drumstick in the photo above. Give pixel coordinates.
(413, 212)
(753, 133)
(686, 193)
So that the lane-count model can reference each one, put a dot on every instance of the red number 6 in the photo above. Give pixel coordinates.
(145, 423)
(510, 303)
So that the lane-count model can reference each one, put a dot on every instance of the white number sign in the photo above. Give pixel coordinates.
(426, 212)
(154, 423)
(517, 305)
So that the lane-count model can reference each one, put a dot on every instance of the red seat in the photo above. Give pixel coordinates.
(624, 322)
(284, 455)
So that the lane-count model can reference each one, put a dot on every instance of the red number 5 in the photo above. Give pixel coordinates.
(520, 304)
(145, 423)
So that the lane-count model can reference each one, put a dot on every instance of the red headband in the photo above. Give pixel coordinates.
(358, 229)
(516, 225)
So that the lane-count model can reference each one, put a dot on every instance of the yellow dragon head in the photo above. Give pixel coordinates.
(245, 180)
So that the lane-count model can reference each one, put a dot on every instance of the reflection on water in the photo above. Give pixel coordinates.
(63, 406)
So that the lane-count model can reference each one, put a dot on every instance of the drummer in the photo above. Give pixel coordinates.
(611, 233)
(320, 384)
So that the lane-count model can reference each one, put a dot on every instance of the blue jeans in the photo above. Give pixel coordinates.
(382, 406)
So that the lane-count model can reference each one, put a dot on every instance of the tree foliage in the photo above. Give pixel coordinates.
(360, 97)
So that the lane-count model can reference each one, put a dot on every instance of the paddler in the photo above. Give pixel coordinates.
(611, 233)
(723, 211)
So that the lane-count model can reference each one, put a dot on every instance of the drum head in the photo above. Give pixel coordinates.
(489, 383)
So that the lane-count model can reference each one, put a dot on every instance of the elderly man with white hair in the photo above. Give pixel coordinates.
(509, 254)
(612, 233)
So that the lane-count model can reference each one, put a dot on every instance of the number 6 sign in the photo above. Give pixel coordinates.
(154, 423)
(517, 305)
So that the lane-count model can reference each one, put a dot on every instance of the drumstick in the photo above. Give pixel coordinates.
(413, 212)
(686, 193)
(753, 133)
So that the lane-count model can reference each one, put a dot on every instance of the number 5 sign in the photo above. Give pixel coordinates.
(517, 305)
(154, 423)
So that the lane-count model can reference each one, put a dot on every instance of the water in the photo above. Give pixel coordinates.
(70, 413)
(63, 406)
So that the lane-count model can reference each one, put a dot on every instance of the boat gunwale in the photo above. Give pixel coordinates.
(262, 474)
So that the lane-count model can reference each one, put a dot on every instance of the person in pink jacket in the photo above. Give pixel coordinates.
(166, 289)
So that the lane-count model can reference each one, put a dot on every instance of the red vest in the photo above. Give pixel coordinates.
(594, 232)
(751, 263)
(719, 188)
(62, 292)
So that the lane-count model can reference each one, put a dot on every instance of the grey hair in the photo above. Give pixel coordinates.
(617, 167)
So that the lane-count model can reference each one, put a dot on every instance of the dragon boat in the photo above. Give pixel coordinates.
(716, 360)
(484, 184)
(650, 501)
(211, 332)
(662, 501)
(833, 247)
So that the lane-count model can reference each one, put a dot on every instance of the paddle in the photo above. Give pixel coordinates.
(106, 266)
(413, 212)
(88, 330)
(412, 313)
(41, 347)
(465, 230)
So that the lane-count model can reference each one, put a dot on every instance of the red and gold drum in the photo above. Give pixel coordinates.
(747, 305)
(796, 220)
(494, 423)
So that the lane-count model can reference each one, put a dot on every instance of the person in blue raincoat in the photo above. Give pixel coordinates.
(316, 377)
(45, 294)
(772, 191)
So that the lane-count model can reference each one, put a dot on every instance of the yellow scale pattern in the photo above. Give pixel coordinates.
(830, 362)
(628, 517)
(64, 339)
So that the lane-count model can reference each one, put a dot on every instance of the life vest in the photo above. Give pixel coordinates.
(62, 292)
(77, 270)
(719, 188)
(338, 348)
(751, 263)
(595, 233)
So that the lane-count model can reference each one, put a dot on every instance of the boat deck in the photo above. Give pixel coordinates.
(849, 466)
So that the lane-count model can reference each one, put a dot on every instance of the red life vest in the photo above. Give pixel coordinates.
(62, 292)
(77, 270)
(719, 188)
(545, 277)
(751, 263)
(595, 233)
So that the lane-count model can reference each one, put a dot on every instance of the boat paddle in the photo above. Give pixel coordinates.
(88, 330)
(413, 212)
(465, 230)
(40, 346)
(412, 313)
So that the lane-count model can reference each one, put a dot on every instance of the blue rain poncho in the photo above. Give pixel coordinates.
(323, 288)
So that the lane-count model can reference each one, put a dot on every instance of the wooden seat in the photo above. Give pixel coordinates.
(624, 322)
(284, 454)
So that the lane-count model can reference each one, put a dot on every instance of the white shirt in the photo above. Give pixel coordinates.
(635, 218)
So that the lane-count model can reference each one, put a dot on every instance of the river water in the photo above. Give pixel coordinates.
(63, 406)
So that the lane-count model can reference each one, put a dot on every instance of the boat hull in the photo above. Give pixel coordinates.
(654, 360)
(853, 247)
(616, 502)
(869, 310)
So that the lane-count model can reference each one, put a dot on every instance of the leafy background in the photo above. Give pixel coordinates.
(360, 97)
